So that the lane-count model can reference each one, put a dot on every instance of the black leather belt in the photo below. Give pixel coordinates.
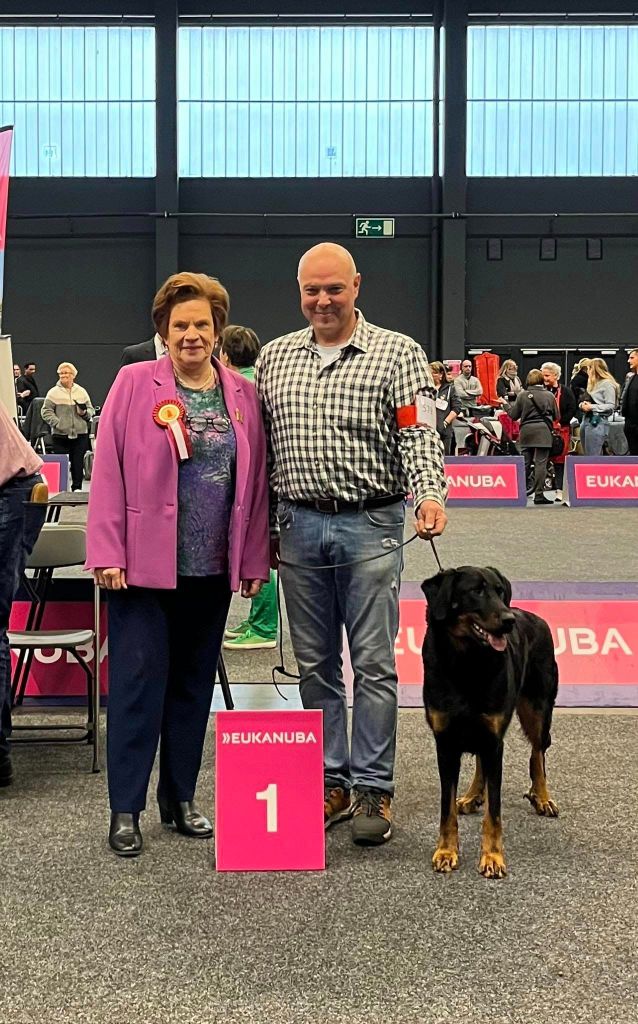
(332, 505)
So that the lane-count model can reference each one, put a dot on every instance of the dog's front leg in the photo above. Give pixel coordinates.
(492, 862)
(446, 855)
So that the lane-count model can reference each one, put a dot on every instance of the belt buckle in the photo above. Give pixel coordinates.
(329, 505)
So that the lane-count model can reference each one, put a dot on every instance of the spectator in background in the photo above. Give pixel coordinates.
(578, 383)
(599, 402)
(629, 403)
(144, 351)
(468, 388)
(508, 383)
(20, 395)
(239, 350)
(67, 409)
(567, 409)
(448, 405)
(536, 409)
(27, 386)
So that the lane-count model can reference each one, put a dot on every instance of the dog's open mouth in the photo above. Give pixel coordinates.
(499, 643)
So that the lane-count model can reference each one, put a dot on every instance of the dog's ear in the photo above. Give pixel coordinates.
(505, 584)
(438, 592)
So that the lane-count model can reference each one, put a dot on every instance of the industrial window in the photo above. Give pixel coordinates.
(305, 101)
(552, 100)
(82, 100)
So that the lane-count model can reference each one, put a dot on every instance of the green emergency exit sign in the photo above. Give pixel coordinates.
(374, 227)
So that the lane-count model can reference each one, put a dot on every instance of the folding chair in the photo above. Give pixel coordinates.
(58, 546)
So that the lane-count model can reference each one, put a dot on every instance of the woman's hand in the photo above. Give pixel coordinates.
(111, 579)
(250, 588)
(586, 406)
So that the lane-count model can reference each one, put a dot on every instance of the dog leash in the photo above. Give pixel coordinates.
(281, 668)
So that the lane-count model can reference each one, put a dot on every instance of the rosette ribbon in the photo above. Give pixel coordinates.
(170, 415)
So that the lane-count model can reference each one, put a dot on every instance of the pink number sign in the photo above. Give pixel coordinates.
(269, 791)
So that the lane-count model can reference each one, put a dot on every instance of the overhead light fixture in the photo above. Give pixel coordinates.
(547, 249)
(594, 248)
(494, 249)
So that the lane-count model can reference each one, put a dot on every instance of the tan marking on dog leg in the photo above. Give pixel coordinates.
(475, 796)
(437, 720)
(538, 794)
(495, 723)
(446, 855)
(492, 862)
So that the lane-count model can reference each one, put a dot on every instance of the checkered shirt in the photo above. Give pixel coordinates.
(332, 432)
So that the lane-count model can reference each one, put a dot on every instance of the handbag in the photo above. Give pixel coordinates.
(557, 447)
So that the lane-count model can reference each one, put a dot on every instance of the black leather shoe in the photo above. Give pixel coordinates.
(6, 771)
(125, 838)
(184, 815)
(542, 500)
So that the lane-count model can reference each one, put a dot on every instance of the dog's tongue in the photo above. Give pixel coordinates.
(499, 643)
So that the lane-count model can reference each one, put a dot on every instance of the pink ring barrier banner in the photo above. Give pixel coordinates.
(595, 630)
(485, 481)
(605, 481)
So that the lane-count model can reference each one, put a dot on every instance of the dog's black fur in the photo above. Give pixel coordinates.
(483, 660)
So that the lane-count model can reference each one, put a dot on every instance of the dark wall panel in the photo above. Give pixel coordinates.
(260, 275)
(78, 299)
(569, 301)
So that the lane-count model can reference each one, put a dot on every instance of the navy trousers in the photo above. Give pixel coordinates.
(163, 651)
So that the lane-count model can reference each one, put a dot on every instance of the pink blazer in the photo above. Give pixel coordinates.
(132, 517)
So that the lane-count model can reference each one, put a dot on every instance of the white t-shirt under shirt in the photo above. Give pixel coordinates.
(330, 353)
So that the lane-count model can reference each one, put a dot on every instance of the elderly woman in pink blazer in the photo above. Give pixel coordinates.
(178, 518)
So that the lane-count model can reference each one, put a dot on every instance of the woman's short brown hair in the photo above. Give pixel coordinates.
(241, 345)
(184, 286)
(533, 377)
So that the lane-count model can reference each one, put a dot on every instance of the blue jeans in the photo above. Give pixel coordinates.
(592, 438)
(20, 525)
(363, 598)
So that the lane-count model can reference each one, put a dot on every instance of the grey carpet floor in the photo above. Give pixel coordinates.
(377, 937)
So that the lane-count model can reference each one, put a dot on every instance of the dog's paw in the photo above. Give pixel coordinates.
(469, 804)
(445, 859)
(492, 865)
(544, 806)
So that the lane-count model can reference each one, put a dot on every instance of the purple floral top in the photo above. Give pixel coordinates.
(206, 485)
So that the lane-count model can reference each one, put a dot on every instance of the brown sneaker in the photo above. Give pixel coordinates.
(372, 817)
(336, 805)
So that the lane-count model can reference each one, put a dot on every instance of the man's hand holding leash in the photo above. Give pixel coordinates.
(431, 519)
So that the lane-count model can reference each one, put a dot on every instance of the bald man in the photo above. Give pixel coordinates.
(333, 396)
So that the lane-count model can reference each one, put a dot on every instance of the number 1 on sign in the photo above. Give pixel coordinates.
(269, 794)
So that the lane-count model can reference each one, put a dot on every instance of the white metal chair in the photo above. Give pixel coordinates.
(58, 546)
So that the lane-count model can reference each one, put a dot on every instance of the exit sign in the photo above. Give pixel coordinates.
(374, 227)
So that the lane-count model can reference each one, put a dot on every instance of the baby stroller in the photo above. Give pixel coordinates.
(487, 436)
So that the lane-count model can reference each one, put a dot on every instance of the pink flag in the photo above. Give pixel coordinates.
(6, 138)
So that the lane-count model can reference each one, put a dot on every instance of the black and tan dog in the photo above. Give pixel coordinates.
(483, 660)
